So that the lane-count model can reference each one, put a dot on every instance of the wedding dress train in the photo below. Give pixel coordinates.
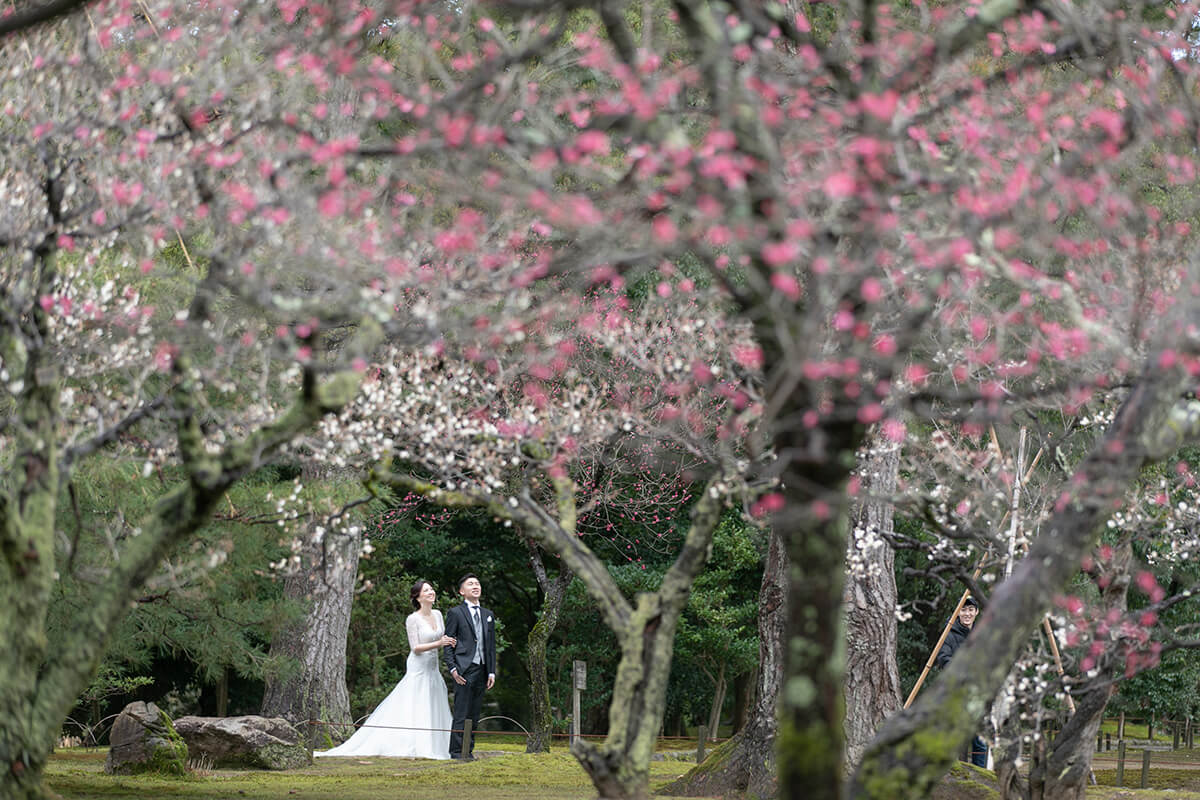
(414, 720)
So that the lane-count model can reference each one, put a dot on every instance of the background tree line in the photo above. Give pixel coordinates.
(203, 645)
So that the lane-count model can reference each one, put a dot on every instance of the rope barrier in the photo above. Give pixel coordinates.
(477, 732)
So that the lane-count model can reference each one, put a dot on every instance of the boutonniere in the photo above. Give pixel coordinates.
(489, 617)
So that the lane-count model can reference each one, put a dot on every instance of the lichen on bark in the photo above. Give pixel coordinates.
(40, 679)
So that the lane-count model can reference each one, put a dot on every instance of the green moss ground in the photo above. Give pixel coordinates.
(967, 782)
(504, 773)
(508, 775)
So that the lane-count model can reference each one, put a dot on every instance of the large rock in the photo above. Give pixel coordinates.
(245, 742)
(143, 740)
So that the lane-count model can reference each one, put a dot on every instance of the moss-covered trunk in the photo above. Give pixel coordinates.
(812, 709)
(26, 736)
(27, 733)
(620, 766)
(21, 779)
(41, 679)
(745, 765)
(811, 731)
(28, 503)
(542, 720)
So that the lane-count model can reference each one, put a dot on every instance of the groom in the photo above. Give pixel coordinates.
(472, 661)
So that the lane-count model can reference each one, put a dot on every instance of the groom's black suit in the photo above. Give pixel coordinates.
(468, 699)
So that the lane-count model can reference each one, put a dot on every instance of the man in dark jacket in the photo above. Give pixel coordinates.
(959, 631)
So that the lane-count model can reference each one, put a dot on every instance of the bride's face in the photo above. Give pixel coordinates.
(427, 596)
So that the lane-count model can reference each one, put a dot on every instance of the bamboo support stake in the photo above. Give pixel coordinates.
(186, 254)
(1057, 658)
(1014, 518)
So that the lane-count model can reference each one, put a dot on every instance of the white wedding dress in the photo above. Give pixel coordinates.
(414, 720)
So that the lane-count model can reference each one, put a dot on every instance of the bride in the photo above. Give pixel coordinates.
(414, 720)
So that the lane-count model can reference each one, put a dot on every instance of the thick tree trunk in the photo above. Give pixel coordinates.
(542, 720)
(1063, 772)
(37, 689)
(26, 575)
(812, 707)
(1011, 776)
(313, 696)
(917, 746)
(743, 686)
(620, 766)
(26, 741)
(28, 505)
(872, 676)
(745, 765)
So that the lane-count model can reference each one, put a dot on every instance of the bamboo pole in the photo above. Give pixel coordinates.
(1014, 517)
(1057, 657)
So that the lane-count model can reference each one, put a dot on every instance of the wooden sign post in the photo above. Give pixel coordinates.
(579, 669)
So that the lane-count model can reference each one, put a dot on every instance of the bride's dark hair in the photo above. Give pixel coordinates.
(415, 592)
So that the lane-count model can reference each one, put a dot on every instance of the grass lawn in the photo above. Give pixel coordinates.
(1178, 780)
(1133, 756)
(503, 772)
(967, 782)
(1136, 731)
(1113, 793)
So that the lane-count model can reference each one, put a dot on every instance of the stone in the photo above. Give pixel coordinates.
(247, 742)
(143, 740)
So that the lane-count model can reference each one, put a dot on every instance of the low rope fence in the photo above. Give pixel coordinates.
(522, 732)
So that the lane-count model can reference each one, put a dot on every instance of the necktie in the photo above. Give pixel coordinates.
(478, 635)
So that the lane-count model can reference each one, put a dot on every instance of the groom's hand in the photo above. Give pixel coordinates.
(459, 679)
(491, 681)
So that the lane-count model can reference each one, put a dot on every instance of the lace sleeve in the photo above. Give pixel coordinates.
(412, 625)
